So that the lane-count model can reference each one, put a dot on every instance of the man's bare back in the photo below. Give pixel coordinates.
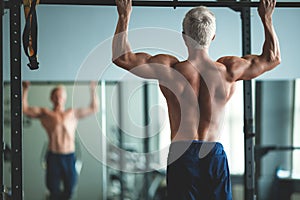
(196, 111)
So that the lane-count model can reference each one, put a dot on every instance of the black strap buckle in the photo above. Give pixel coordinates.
(34, 64)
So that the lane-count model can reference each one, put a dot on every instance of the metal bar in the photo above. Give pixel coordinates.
(63, 82)
(146, 139)
(294, 107)
(121, 139)
(277, 148)
(249, 178)
(258, 128)
(173, 4)
(2, 106)
(103, 138)
(248, 143)
(16, 103)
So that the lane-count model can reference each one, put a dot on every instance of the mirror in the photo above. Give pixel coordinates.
(99, 140)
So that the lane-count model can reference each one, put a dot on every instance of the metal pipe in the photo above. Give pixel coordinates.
(56, 82)
(146, 139)
(2, 106)
(121, 139)
(16, 102)
(173, 4)
(249, 178)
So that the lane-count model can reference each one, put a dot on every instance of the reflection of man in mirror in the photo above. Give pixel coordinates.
(60, 125)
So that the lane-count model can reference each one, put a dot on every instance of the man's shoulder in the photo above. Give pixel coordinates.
(181, 64)
(165, 59)
(228, 60)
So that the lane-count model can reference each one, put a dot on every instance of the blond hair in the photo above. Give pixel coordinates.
(199, 24)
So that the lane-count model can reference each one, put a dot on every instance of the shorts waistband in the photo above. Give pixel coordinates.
(60, 154)
(195, 148)
(188, 143)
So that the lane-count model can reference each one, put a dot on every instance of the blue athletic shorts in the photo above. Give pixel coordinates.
(61, 168)
(198, 170)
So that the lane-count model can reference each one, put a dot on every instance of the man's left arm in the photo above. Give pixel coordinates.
(94, 105)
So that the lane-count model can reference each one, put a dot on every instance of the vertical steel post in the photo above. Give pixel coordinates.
(104, 130)
(16, 106)
(146, 139)
(2, 106)
(121, 140)
(249, 178)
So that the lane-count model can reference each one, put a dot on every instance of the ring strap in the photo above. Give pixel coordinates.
(30, 36)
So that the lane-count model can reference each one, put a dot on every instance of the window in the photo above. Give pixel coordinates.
(233, 134)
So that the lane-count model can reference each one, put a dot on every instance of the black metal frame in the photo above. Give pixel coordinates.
(121, 141)
(174, 3)
(16, 101)
(249, 175)
(146, 139)
(16, 106)
(1, 102)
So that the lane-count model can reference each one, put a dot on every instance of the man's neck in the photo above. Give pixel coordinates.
(59, 108)
(196, 54)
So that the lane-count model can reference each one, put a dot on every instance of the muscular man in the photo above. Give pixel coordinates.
(196, 91)
(60, 125)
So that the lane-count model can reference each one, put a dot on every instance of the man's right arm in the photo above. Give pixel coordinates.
(34, 112)
(141, 64)
(251, 66)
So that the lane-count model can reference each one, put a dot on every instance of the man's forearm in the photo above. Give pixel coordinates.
(271, 49)
(94, 101)
(120, 40)
(24, 99)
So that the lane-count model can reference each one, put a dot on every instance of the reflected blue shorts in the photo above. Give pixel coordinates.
(198, 170)
(61, 168)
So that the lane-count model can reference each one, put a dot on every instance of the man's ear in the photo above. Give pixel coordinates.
(184, 36)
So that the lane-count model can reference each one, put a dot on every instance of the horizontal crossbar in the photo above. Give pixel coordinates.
(174, 4)
(169, 3)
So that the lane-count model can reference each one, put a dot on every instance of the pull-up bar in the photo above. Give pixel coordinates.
(174, 3)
